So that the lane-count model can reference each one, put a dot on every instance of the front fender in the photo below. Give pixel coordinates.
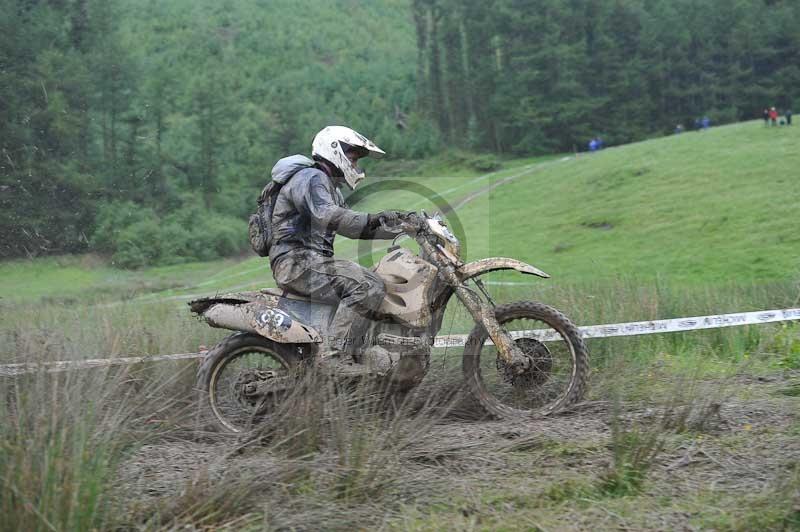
(479, 267)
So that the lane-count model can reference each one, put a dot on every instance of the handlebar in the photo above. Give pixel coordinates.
(409, 223)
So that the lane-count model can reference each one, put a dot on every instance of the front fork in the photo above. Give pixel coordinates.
(483, 314)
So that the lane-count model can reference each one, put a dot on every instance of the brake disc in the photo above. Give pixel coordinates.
(540, 367)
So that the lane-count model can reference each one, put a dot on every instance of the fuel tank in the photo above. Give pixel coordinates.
(407, 278)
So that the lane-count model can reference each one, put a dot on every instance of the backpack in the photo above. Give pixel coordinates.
(260, 224)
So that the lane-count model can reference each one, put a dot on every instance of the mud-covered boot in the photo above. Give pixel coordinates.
(343, 367)
(334, 362)
(380, 359)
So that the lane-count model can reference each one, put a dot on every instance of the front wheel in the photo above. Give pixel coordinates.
(559, 363)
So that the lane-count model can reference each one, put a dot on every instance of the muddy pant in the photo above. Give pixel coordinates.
(355, 289)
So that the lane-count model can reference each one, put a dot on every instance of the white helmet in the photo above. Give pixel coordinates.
(333, 142)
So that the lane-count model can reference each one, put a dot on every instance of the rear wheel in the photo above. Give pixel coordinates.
(243, 379)
(559, 363)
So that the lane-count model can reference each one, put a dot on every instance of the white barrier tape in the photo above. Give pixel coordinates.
(634, 328)
(691, 324)
(10, 370)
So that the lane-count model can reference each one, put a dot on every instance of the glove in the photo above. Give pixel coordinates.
(389, 218)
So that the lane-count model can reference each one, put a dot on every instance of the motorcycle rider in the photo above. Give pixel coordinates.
(309, 212)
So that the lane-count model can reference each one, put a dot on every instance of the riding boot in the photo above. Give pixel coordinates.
(335, 354)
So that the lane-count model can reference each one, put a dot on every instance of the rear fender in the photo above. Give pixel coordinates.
(256, 313)
(270, 322)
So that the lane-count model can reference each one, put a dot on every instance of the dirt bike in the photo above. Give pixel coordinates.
(521, 359)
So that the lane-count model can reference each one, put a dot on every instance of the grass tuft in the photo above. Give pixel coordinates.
(62, 439)
(634, 453)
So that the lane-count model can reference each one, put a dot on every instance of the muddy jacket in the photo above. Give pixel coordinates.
(310, 210)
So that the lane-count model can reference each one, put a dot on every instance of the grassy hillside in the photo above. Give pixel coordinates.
(716, 206)
(710, 206)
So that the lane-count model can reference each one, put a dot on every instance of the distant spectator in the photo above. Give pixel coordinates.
(788, 117)
(679, 129)
(706, 122)
(773, 116)
(698, 125)
(600, 144)
(765, 114)
(593, 145)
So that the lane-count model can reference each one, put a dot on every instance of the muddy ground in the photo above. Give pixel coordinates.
(730, 461)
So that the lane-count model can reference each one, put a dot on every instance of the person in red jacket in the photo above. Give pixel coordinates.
(773, 116)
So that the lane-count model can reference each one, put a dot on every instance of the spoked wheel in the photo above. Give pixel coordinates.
(559, 363)
(243, 379)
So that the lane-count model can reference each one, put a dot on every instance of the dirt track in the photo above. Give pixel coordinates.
(498, 473)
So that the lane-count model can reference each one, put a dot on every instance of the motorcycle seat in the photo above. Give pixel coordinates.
(288, 294)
